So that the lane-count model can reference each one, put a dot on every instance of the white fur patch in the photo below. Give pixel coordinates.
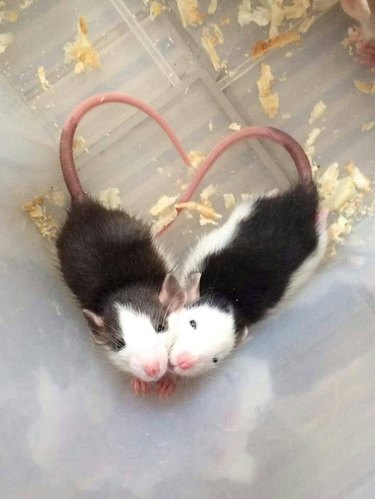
(143, 345)
(216, 240)
(212, 338)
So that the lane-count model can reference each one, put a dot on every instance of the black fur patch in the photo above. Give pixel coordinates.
(253, 272)
(103, 251)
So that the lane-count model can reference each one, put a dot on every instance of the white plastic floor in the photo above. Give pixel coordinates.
(291, 414)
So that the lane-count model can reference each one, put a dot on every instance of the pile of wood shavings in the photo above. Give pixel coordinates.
(344, 195)
(166, 209)
(81, 51)
(38, 211)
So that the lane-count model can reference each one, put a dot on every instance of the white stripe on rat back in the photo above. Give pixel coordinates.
(216, 240)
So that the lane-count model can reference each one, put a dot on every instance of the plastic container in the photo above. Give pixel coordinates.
(290, 415)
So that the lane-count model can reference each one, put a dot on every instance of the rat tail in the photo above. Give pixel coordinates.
(298, 155)
(67, 135)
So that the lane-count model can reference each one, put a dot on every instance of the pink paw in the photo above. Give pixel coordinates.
(140, 387)
(165, 386)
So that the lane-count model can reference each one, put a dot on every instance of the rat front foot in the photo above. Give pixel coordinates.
(166, 386)
(140, 387)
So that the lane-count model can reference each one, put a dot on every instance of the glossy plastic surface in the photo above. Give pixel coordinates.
(291, 414)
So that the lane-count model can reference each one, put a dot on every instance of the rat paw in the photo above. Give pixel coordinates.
(140, 387)
(165, 386)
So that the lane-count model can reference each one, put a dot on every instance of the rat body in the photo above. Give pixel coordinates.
(121, 279)
(241, 271)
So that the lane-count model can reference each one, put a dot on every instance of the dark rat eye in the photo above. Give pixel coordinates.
(215, 359)
(160, 328)
(118, 344)
(193, 324)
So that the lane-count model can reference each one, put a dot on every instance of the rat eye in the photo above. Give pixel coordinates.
(215, 360)
(160, 328)
(193, 324)
(119, 344)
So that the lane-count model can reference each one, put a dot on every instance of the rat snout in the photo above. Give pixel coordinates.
(152, 369)
(185, 361)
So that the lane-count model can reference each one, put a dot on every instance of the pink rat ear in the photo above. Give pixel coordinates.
(96, 324)
(172, 296)
(192, 287)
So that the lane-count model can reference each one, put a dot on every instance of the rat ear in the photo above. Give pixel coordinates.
(96, 324)
(192, 287)
(172, 296)
(242, 335)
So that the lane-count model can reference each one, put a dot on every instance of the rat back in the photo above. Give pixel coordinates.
(104, 250)
(273, 248)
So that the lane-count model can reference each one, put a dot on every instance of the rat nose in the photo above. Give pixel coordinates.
(152, 369)
(185, 361)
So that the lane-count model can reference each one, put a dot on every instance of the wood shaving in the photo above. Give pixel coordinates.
(260, 15)
(317, 112)
(110, 198)
(360, 180)
(229, 201)
(224, 21)
(190, 13)
(81, 51)
(366, 127)
(212, 7)
(277, 18)
(44, 83)
(210, 126)
(165, 218)
(207, 193)
(268, 101)
(339, 228)
(6, 39)
(162, 205)
(344, 191)
(328, 180)
(44, 221)
(8, 16)
(306, 24)
(196, 158)
(366, 87)
(313, 135)
(25, 4)
(155, 9)
(80, 145)
(211, 37)
(235, 127)
(297, 9)
(263, 46)
(206, 212)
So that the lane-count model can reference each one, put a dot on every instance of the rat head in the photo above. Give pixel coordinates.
(204, 333)
(133, 328)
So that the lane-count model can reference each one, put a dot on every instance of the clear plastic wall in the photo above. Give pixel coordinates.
(291, 413)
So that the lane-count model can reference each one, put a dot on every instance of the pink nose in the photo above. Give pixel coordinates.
(152, 369)
(185, 361)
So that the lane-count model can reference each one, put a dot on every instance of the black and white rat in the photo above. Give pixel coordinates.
(112, 264)
(239, 272)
